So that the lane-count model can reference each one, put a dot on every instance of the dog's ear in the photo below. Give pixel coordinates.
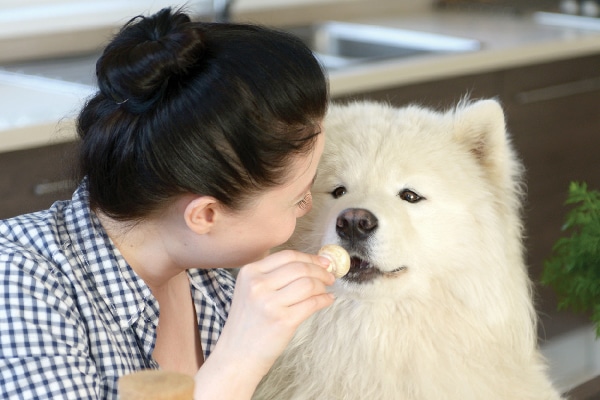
(480, 127)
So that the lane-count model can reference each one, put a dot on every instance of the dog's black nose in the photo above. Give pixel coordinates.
(355, 224)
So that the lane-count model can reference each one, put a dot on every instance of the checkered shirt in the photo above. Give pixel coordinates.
(74, 317)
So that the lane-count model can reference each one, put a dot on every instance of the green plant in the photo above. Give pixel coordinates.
(573, 269)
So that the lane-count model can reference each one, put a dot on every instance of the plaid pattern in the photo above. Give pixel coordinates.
(74, 317)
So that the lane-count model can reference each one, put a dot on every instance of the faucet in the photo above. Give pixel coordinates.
(221, 10)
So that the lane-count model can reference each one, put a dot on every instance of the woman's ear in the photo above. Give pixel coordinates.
(200, 214)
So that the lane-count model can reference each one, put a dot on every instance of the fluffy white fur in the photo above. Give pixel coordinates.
(457, 322)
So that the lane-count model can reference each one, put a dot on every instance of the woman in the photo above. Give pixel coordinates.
(197, 153)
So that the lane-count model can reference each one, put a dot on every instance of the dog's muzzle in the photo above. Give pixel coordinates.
(354, 227)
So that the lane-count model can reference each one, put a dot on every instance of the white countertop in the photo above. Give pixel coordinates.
(35, 111)
(507, 41)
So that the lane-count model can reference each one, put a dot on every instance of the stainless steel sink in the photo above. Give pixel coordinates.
(341, 44)
(567, 20)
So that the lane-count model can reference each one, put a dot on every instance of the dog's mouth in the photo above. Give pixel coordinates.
(363, 271)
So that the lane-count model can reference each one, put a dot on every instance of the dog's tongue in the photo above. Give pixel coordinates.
(361, 271)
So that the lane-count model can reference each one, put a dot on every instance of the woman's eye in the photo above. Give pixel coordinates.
(306, 202)
(338, 192)
(410, 196)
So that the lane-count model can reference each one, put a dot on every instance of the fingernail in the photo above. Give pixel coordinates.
(324, 261)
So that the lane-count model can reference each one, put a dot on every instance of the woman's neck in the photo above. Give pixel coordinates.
(146, 246)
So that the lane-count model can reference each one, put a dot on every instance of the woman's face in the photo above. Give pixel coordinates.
(248, 235)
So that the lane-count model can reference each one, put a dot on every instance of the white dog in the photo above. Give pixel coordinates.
(437, 304)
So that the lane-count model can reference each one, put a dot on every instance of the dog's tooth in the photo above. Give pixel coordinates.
(340, 259)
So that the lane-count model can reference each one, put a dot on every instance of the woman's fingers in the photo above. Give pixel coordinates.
(301, 288)
(289, 292)
(287, 274)
(301, 275)
(284, 257)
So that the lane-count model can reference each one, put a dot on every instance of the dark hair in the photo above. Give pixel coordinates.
(191, 107)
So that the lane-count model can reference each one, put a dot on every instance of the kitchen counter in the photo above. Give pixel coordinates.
(507, 40)
(36, 111)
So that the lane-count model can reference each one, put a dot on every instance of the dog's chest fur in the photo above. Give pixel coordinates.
(389, 352)
(398, 352)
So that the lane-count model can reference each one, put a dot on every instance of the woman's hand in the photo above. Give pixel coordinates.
(271, 298)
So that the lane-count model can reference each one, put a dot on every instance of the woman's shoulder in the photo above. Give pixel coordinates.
(28, 244)
(32, 234)
(38, 243)
(43, 233)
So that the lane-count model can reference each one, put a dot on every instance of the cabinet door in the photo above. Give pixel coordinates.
(33, 179)
(553, 113)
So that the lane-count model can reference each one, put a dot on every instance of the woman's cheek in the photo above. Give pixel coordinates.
(291, 226)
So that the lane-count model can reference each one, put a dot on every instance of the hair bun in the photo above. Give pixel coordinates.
(136, 67)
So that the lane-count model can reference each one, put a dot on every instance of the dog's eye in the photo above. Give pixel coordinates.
(410, 196)
(338, 192)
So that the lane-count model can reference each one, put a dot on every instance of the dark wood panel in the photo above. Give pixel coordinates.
(553, 73)
(33, 179)
(441, 94)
